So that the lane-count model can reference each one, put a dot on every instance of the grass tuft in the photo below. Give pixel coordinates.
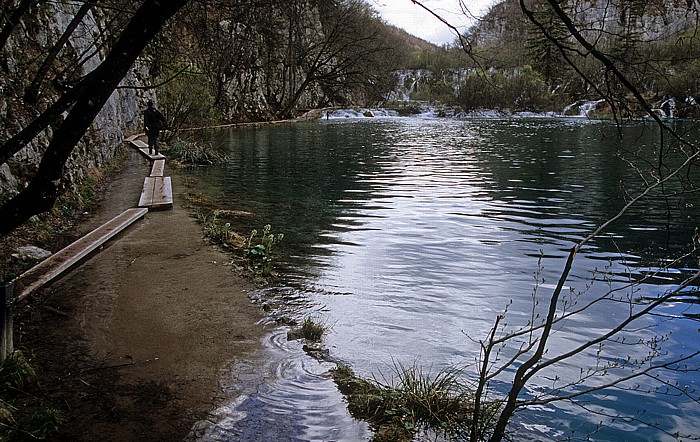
(312, 329)
(17, 377)
(7, 413)
(16, 372)
(418, 401)
(191, 153)
(45, 423)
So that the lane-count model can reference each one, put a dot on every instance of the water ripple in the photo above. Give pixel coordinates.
(408, 234)
(290, 398)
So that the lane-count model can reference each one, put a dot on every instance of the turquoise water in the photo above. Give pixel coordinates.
(408, 236)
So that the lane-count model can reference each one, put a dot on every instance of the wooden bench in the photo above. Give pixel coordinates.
(157, 193)
(53, 266)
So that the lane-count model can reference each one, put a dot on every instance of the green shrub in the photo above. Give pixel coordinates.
(193, 153)
(408, 110)
(186, 100)
(520, 90)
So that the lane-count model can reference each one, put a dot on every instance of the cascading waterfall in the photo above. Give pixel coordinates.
(667, 109)
(584, 108)
(412, 81)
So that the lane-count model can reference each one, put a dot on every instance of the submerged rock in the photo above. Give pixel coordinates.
(318, 353)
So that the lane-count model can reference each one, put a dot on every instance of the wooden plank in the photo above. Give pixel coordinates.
(131, 138)
(7, 326)
(158, 167)
(53, 266)
(162, 193)
(143, 148)
(146, 199)
(144, 152)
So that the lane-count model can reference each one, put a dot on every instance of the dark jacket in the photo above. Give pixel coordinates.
(153, 119)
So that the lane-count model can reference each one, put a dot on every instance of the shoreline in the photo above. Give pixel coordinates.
(131, 344)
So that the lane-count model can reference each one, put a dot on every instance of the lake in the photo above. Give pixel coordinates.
(409, 236)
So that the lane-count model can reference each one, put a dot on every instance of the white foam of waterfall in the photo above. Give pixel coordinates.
(584, 108)
(667, 109)
(359, 113)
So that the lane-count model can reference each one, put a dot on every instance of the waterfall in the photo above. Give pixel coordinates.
(583, 108)
(670, 105)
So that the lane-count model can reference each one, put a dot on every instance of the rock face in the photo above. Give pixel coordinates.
(604, 19)
(26, 48)
(259, 66)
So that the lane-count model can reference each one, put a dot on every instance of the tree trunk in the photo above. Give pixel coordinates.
(41, 193)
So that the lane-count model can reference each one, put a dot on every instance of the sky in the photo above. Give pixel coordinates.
(415, 20)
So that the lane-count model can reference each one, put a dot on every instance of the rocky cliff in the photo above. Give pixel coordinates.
(21, 58)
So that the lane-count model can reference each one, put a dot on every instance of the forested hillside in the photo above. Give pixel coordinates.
(269, 60)
(525, 66)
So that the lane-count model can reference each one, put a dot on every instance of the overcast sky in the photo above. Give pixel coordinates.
(405, 14)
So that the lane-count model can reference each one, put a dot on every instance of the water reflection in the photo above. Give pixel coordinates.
(408, 234)
(289, 398)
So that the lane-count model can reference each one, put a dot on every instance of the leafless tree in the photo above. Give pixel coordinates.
(351, 50)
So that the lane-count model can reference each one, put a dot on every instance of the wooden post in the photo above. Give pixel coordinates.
(6, 325)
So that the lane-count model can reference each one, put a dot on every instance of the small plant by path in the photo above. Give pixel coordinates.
(258, 251)
(219, 231)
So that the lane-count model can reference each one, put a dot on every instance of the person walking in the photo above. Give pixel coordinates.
(153, 122)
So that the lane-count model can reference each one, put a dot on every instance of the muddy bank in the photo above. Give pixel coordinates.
(131, 344)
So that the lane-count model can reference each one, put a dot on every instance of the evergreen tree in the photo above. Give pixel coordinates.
(546, 57)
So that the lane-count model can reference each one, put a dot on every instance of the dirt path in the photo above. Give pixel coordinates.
(133, 341)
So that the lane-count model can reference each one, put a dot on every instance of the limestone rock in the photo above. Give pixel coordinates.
(31, 253)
